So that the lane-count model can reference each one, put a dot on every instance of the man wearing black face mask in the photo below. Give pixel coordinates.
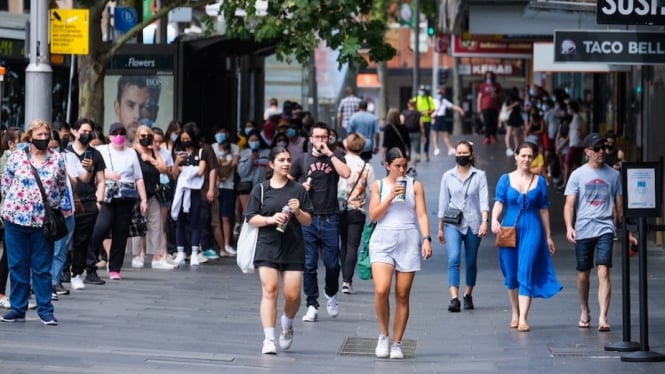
(91, 195)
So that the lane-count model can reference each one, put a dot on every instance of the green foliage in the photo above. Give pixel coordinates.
(298, 26)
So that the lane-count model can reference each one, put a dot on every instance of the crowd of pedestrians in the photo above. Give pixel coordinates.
(173, 196)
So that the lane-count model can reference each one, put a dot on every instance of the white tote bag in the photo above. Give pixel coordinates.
(247, 244)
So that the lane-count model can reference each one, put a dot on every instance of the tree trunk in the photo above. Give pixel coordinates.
(91, 89)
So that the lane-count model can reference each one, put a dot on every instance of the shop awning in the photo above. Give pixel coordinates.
(543, 60)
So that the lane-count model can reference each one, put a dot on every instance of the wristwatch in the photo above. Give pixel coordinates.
(428, 238)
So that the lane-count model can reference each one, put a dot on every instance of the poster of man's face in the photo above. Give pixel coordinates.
(135, 100)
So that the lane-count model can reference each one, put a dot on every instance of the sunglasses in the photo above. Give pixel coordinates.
(598, 148)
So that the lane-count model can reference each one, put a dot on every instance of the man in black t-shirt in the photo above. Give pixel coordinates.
(91, 194)
(324, 167)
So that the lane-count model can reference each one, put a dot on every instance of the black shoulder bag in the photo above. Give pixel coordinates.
(454, 215)
(54, 221)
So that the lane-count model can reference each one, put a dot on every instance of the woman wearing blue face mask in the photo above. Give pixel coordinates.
(252, 167)
(172, 132)
(243, 134)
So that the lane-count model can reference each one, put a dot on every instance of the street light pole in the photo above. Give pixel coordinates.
(38, 74)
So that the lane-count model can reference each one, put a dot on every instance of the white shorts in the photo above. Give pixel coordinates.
(400, 248)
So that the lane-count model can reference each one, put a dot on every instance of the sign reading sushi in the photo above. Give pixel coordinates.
(630, 12)
(614, 47)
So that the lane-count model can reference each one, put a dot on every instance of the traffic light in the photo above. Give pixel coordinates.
(431, 26)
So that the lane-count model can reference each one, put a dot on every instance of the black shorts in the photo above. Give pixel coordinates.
(280, 267)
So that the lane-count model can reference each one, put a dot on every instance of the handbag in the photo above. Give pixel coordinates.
(243, 187)
(163, 192)
(138, 225)
(364, 262)
(454, 215)
(54, 221)
(247, 244)
(504, 114)
(119, 190)
(507, 236)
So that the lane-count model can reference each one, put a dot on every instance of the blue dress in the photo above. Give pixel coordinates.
(529, 266)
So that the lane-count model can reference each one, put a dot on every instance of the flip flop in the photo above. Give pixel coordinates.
(604, 328)
(584, 324)
(513, 324)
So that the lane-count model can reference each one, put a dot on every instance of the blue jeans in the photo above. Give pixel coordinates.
(29, 253)
(323, 235)
(61, 251)
(454, 240)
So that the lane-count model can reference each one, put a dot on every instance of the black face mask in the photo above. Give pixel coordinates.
(147, 141)
(40, 144)
(463, 160)
(187, 144)
(85, 138)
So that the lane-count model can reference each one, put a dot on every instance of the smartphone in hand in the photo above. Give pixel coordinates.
(87, 155)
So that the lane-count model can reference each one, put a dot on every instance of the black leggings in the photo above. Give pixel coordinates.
(491, 121)
(351, 225)
(114, 217)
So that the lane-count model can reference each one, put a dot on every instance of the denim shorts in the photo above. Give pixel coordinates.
(584, 249)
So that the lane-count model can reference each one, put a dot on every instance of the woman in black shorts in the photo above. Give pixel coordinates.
(279, 253)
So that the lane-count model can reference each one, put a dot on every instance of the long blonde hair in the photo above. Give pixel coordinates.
(32, 126)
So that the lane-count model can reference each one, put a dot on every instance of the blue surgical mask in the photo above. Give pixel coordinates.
(545, 108)
(174, 137)
(220, 137)
(254, 145)
(248, 130)
(532, 92)
(291, 133)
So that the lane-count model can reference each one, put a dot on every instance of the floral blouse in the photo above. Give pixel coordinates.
(22, 204)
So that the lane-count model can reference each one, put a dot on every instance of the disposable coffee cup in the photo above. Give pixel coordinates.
(401, 197)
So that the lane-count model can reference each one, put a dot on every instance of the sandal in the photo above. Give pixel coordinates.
(523, 327)
(584, 324)
(604, 328)
(513, 324)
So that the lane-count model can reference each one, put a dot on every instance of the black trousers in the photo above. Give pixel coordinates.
(83, 228)
(491, 121)
(113, 218)
(351, 225)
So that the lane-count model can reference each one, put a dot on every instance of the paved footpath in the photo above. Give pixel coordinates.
(205, 319)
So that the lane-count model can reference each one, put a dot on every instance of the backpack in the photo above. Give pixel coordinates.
(412, 120)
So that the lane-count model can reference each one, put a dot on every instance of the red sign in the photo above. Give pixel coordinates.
(475, 48)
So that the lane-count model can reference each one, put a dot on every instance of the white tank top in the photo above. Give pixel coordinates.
(400, 215)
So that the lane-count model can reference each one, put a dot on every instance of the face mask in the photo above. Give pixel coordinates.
(118, 139)
(316, 153)
(56, 149)
(174, 137)
(254, 145)
(85, 138)
(187, 144)
(281, 144)
(40, 144)
(463, 160)
(488, 80)
(421, 93)
(291, 133)
(248, 130)
(545, 108)
(532, 92)
(147, 141)
(220, 137)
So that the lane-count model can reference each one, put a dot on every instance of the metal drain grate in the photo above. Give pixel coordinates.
(577, 350)
(355, 346)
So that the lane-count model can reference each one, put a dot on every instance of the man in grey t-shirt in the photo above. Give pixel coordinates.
(594, 189)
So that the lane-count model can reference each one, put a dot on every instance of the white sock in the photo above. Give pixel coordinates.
(181, 249)
(269, 333)
(195, 250)
(287, 322)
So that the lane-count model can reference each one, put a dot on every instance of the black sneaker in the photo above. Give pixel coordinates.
(60, 289)
(468, 302)
(454, 306)
(54, 296)
(66, 276)
(91, 277)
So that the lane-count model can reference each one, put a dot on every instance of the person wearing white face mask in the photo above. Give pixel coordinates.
(228, 157)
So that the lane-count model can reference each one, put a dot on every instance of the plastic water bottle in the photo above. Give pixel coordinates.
(286, 210)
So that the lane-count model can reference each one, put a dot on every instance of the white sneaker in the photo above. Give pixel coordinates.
(332, 306)
(202, 258)
(509, 152)
(77, 283)
(179, 259)
(347, 288)
(311, 315)
(396, 351)
(138, 263)
(436, 152)
(230, 250)
(269, 347)
(382, 347)
(162, 265)
(286, 339)
(194, 260)
(4, 303)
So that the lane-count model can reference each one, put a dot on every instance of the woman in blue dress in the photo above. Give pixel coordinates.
(522, 200)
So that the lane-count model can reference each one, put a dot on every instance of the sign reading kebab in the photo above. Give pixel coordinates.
(630, 12)
(613, 47)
